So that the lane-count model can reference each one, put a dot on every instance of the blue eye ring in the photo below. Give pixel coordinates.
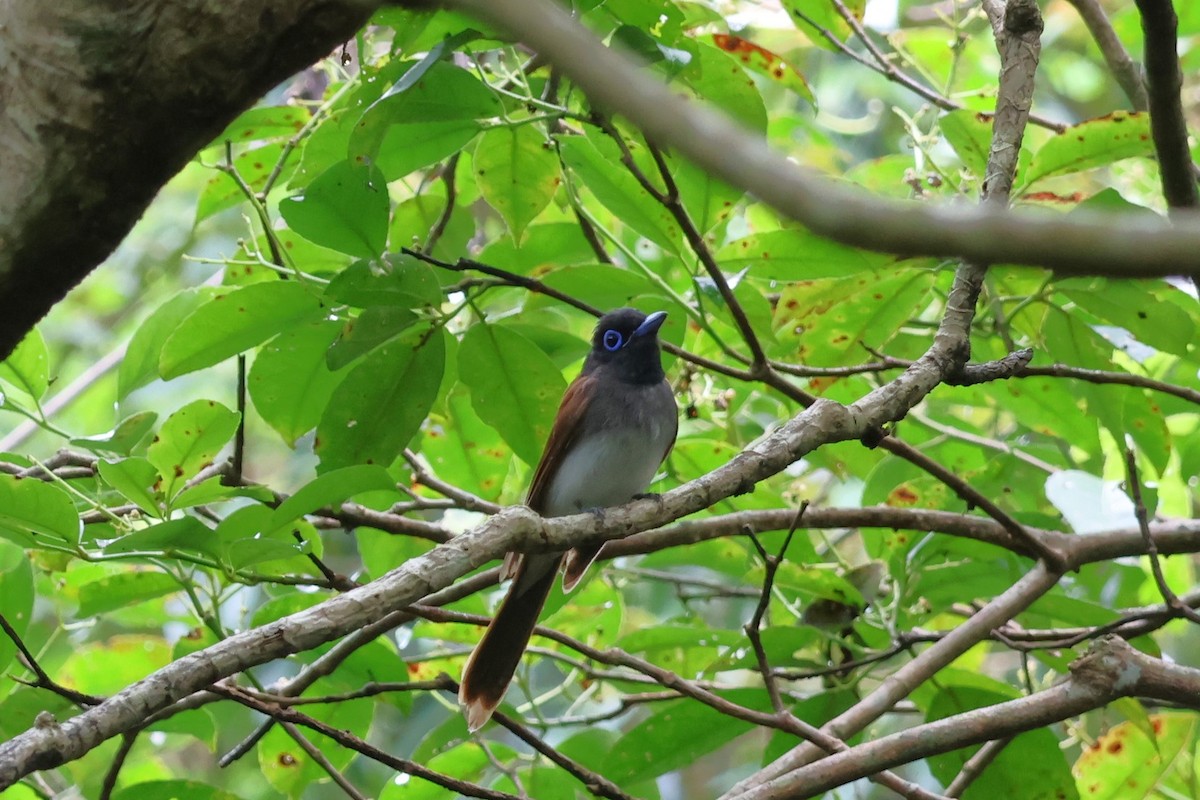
(613, 340)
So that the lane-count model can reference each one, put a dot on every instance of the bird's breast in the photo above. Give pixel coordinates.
(618, 455)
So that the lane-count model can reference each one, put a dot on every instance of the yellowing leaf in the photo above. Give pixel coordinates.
(764, 62)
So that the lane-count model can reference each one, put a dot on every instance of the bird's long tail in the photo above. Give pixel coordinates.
(492, 664)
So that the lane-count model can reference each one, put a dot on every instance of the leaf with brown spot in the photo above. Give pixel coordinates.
(1091, 144)
(764, 62)
(189, 440)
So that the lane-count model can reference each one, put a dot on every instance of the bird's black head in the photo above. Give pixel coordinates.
(626, 342)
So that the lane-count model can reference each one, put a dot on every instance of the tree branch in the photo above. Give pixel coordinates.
(1120, 63)
(1167, 123)
(1084, 243)
(1112, 669)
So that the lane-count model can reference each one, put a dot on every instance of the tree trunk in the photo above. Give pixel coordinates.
(105, 101)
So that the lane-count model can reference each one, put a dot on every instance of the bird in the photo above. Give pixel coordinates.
(614, 428)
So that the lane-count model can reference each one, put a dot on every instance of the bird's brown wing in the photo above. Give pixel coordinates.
(490, 668)
(563, 435)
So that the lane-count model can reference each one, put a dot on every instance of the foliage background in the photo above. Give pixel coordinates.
(321, 237)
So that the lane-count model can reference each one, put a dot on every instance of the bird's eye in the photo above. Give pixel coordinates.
(613, 340)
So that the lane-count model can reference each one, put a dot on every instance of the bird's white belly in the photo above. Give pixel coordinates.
(605, 469)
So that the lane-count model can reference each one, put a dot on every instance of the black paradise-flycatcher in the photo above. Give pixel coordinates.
(615, 426)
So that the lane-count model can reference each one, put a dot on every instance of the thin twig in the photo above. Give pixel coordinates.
(1120, 63)
(617, 657)
(975, 766)
(114, 769)
(324, 763)
(1134, 486)
(352, 742)
(449, 171)
(44, 681)
(753, 633)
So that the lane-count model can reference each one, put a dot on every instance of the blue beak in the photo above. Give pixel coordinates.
(651, 325)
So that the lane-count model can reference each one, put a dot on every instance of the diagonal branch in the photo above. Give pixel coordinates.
(1085, 243)
(1120, 63)
(1111, 670)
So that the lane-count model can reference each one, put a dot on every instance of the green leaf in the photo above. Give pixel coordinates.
(109, 666)
(546, 246)
(465, 450)
(650, 50)
(517, 172)
(807, 13)
(27, 367)
(124, 589)
(514, 386)
(417, 123)
(198, 722)
(795, 254)
(267, 123)
(172, 790)
(1031, 766)
(291, 770)
(672, 637)
(331, 489)
(1090, 144)
(970, 134)
(134, 478)
(371, 328)
(394, 280)
(346, 208)
(831, 320)
(1137, 308)
(1142, 418)
(766, 63)
(31, 509)
(184, 533)
(128, 434)
(408, 147)
(16, 600)
(380, 405)
(676, 734)
(1069, 340)
(719, 79)
(140, 365)
(708, 200)
(233, 323)
(619, 191)
(246, 538)
(600, 285)
(291, 382)
(441, 91)
(189, 440)
(466, 761)
(818, 582)
(212, 490)
(438, 53)
(413, 220)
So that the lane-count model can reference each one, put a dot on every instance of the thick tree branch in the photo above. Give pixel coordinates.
(512, 529)
(1083, 243)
